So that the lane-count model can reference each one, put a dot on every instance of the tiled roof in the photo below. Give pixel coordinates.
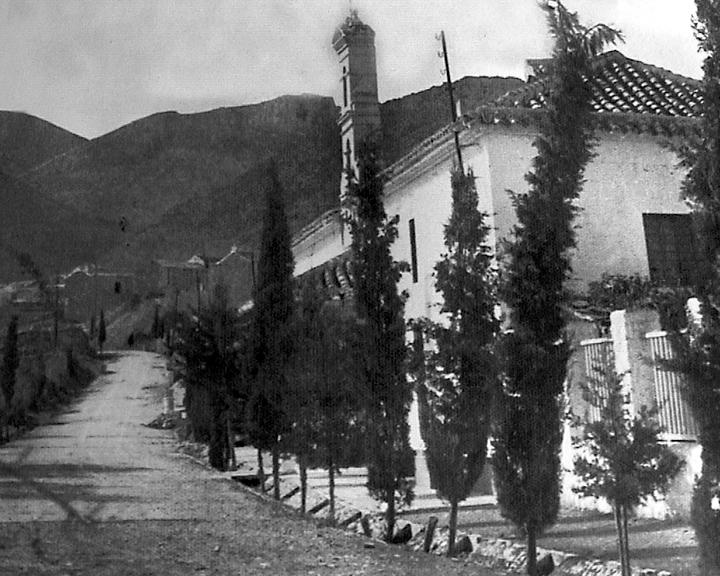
(628, 96)
(622, 85)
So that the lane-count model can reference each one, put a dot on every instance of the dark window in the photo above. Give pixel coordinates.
(345, 88)
(118, 288)
(413, 250)
(672, 249)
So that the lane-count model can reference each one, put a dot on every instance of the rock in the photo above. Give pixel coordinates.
(365, 523)
(462, 546)
(430, 533)
(402, 536)
(545, 565)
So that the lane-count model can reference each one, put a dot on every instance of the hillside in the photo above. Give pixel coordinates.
(172, 185)
(409, 120)
(53, 235)
(27, 142)
(146, 173)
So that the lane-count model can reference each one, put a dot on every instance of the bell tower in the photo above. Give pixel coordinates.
(354, 43)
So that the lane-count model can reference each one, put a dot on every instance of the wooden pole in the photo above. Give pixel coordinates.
(453, 110)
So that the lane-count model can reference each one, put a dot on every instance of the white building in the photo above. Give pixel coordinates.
(631, 219)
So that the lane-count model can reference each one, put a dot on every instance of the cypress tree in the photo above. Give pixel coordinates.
(325, 402)
(272, 326)
(700, 353)
(102, 331)
(527, 442)
(10, 361)
(206, 342)
(381, 343)
(461, 378)
(621, 458)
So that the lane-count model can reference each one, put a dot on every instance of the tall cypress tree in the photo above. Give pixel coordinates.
(10, 361)
(527, 442)
(381, 346)
(272, 323)
(102, 331)
(700, 354)
(461, 375)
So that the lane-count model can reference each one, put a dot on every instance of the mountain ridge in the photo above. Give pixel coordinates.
(172, 184)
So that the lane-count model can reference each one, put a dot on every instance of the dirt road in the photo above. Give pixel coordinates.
(97, 492)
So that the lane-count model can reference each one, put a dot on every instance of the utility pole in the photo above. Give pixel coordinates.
(453, 109)
(56, 311)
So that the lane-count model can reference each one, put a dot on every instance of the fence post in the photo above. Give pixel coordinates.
(621, 351)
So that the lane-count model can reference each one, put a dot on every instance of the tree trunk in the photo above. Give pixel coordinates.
(626, 541)
(303, 485)
(620, 513)
(276, 470)
(531, 551)
(331, 481)
(430, 533)
(261, 471)
(452, 525)
(390, 515)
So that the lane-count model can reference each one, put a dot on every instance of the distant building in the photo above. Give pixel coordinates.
(88, 289)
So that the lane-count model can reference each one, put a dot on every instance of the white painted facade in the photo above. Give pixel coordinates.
(632, 174)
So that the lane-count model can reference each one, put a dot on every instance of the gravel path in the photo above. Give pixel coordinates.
(97, 492)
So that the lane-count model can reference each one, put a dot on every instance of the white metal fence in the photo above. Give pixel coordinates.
(674, 412)
(599, 373)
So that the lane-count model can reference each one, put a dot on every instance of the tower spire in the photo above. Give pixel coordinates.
(354, 43)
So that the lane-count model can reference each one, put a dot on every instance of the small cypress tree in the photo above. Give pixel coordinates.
(272, 327)
(206, 343)
(381, 344)
(621, 458)
(102, 331)
(529, 434)
(10, 361)
(326, 401)
(461, 377)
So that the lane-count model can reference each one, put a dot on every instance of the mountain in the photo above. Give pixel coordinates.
(407, 121)
(168, 172)
(53, 235)
(27, 142)
(172, 185)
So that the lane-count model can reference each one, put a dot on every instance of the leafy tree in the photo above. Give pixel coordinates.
(10, 362)
(381, 342)
(700, 355)
(460, 380)
(621, 458)
(102, 331)
(527, 442)
(272, 324)
(207, 346)
(326, 402)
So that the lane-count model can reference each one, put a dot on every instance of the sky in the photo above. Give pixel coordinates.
(91, 66)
